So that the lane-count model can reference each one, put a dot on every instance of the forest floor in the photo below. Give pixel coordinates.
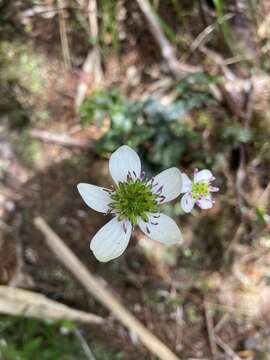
(188, 295)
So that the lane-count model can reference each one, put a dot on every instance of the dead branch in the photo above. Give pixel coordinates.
(63, 33)
(16, 301)
(92, 69)
(101, 293)
(177, 68)
(226, 348)
(210, 330)
(61, 139)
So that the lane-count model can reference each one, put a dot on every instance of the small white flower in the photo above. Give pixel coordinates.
(197, 192)
(133, 201)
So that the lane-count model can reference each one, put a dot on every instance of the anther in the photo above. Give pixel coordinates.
(125, 228)
(107, 190)
(129, 177)
(142, 176)
(108, 212)
(153, 223)
(148, 230)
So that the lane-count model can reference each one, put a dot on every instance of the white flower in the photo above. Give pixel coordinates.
(134, 201)
(197, 192)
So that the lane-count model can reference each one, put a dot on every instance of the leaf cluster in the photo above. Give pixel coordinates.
(161, 133)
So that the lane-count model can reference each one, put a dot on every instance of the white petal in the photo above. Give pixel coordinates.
(111, 240)
(186, 184)
(163, 229)
(203, 175)
(213, 189)
(170, 181)
(205, 203)
(187, 202)
(123, 161)
(95, 197)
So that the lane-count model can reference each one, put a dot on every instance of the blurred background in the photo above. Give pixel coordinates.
(185, 83)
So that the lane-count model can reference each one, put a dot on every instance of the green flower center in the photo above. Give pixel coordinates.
(199, 189)
(132, 199)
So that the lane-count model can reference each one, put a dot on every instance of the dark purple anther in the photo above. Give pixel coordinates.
(108, 212)
(142, 176)
(147, 230)
(156, 216)
(159, 190)
(129, 177)
(153, 223)
(125, 228)
(161, 198)
(134, 174)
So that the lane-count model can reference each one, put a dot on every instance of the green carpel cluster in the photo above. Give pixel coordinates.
(200, 189)
(132, 199)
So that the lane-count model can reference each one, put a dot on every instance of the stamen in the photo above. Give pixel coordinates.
(134, 174)
(142, 176)
(108, 212)
(153, 223)
(147, 230)
(161, 198)
(107, 190)
(159, 190)
(125, 228)
(152, 183)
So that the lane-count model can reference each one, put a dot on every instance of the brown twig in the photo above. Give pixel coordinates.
(16, 301)
(92, 69)
(226, 348)
(61, 139)
(63, 33)
(101, 293)
(177, 68)
(210, 330)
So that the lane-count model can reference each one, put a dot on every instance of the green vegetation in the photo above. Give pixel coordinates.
(24, 339)
(162, 133)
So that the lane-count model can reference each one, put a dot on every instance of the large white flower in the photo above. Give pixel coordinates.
(134, 201)
(199, 191)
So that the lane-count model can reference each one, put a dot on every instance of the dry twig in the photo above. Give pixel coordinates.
(210, 330)
(63, 33)
(61, 139)
(226, 348)
(177, 68)
(92, 69)
(16, 301)
(102, 294)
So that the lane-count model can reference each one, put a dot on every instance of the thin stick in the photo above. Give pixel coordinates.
(92, 69)
(228, 351)
(210, 330)
(177, 68)
(14, 301)
(85, 346)
(101, 293)
(61, 139)
(63, 33)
